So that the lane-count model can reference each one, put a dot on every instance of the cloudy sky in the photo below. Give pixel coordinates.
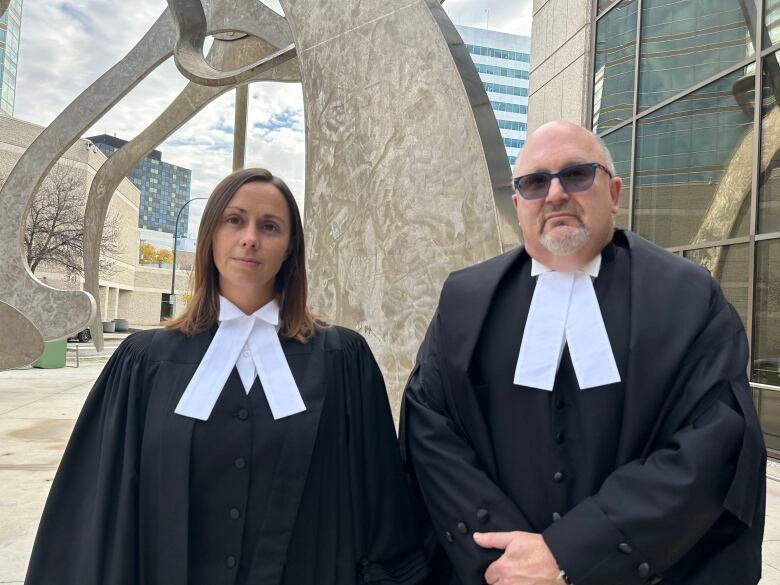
(67, 45)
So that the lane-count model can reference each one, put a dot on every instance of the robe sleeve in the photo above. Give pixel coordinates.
(88, 534)
(387, 528)
(459, 493)
(708, 462)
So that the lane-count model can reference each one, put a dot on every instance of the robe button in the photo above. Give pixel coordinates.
(558, 477)
(556, 516)
(240, 463)
(559, 404)
(483, 515)
(245, 353)
(462, 528)
(643, 570)
(243, 414)
(559, 438)
(448, 536)
(624, 547)
(235, 514)
(231, 561)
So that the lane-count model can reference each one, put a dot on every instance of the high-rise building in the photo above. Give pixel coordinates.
(686, 94)
(503, 63)
(164, 187)
(10, 28)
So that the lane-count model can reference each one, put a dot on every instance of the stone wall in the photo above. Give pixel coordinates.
(127, 291)
(560, 61)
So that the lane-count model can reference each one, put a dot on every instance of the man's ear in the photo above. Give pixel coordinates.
(615, 186)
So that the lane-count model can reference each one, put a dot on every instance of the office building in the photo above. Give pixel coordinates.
(164, 187)
(10, 29)
(685, 94)
(503, 63)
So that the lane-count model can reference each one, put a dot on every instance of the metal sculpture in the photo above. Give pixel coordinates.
(227, 51)
(55, 313)
(407, 176)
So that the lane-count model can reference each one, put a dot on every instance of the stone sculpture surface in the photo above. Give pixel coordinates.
(407, 176)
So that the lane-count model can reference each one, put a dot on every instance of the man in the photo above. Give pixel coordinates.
(579, 411)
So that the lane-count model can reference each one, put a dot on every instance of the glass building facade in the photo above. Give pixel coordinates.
(503, 63)
(685, 94)
(10, 28)
(164, 187)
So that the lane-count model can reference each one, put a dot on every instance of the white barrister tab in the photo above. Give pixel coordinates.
(237, 330)
(565, 310)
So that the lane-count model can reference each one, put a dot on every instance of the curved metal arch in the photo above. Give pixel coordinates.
(56, 313)
(12, 353)
(192, 28)
(186, 105)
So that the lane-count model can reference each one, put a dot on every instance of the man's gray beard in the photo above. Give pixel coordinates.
(566, 244)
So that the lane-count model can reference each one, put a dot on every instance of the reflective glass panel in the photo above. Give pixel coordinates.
(730, 266)
(769, 414)
(693, 175)
(619, 145)
(766, 324)
(604, 4)
(684, 43)
(772, 22)
(769, 193)
(613, 81)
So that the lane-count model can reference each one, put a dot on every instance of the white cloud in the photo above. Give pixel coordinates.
(509, 17)
(67, 45)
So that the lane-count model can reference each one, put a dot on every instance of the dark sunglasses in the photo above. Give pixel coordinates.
(574, 178)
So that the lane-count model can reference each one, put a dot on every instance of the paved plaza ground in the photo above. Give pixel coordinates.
(37, 411)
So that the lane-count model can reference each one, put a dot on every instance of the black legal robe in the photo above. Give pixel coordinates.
(337, 510)
(682, 501)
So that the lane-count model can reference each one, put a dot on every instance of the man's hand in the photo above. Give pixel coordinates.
(526, 559)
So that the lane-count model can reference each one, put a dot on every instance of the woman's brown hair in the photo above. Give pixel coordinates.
(202, 312)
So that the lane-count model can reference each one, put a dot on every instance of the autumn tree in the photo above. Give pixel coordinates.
(147, 253)
(164, 256)
(54, 232)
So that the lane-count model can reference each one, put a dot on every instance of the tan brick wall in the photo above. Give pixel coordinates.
(140, 308)
(117, 297)
(148, 277)
(560, 62)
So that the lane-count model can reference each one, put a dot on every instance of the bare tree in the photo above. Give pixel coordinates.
(54, 232)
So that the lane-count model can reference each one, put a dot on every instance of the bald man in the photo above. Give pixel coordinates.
(579, 411)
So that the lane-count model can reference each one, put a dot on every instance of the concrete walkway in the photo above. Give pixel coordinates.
(37, 411)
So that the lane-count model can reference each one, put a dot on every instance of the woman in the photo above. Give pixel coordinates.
(246, 443)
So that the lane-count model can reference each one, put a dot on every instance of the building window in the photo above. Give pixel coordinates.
(613, 91)
(619, 145)
(513, 142)
(694, 166)
(510, 108)
(686, 146)
(501, 71)
(498, 53)
(684, 43)
(766, 331)
(512, 125)
(769, 187)
(506, 89)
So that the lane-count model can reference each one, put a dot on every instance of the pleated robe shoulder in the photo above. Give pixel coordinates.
(117, 512)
